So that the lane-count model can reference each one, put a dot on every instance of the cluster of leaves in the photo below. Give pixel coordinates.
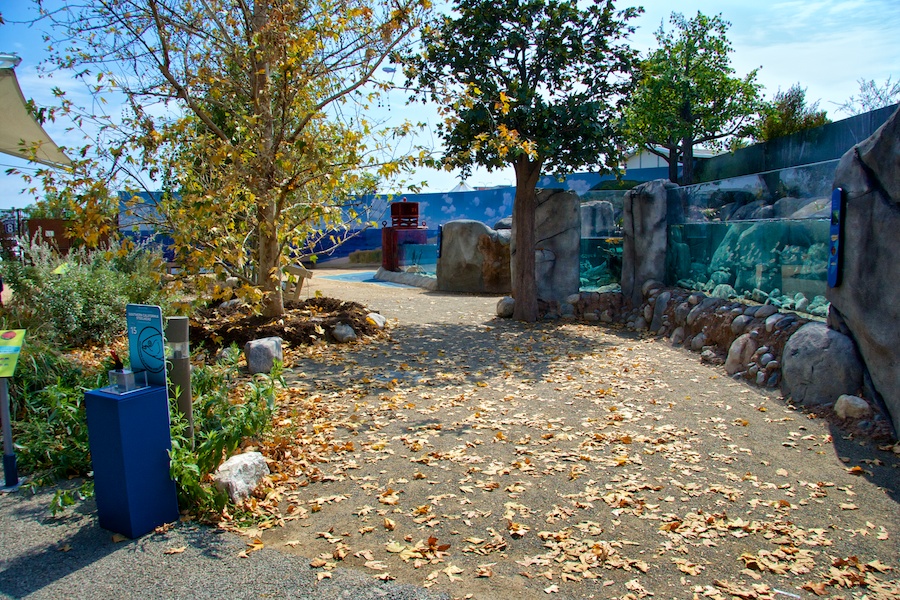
(789, 113)
(48, 405)
(222, 424)
(79, 299)
(263, 143)
(688, 93)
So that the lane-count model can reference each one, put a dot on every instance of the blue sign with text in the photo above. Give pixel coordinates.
(146, 342)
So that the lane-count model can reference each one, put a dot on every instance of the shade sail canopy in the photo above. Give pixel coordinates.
(18, 129)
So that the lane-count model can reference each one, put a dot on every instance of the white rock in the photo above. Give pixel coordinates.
(343, 333)
(376, 319)
(505, 307)
(239, 475)
(852, 407)
(772, 320)
(262, 353)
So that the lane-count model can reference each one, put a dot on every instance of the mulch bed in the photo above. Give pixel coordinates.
(302, 323)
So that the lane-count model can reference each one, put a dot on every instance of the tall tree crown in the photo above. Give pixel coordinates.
(538, 78)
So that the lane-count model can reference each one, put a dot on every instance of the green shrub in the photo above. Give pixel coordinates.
(80, 299)
(220, 427)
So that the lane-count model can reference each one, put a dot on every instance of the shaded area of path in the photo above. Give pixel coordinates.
(561, 458)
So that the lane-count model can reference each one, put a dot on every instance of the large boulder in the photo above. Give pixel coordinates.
(557, 233)
(867, 297)
(645, 238)
(474, 258)
(819, 365)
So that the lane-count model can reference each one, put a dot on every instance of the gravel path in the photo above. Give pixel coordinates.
(616, 457)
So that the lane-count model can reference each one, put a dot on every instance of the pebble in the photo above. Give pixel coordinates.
(765, 311)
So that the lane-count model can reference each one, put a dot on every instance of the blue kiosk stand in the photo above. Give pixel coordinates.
(130, 441)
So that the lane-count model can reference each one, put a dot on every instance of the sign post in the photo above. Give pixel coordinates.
(10, 346)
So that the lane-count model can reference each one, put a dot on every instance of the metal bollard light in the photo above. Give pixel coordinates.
(177, 341)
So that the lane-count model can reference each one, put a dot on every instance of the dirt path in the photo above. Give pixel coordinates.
(493, 459)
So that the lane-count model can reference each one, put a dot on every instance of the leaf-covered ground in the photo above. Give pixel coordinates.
(491, 459)
(305, 322)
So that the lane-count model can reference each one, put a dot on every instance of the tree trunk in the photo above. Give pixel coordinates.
(673, 164)
(687, 161)
(269, 276)
(523, 278)
(268, 250)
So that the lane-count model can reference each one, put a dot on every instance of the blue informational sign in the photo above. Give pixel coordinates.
(838, 213)
(146, 342)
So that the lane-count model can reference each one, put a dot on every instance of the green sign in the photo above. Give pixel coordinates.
(11, 342)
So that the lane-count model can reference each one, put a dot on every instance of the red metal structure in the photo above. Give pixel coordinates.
(405, 229)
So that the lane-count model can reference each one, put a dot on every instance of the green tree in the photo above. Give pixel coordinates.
(248, 112)
(688, 94)
(788, 113)
(534, 84)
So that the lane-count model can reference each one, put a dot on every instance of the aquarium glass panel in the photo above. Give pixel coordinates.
(757, 237)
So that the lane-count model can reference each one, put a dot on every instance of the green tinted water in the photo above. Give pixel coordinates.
(784, 261)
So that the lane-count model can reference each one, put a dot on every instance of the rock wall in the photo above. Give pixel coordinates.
(645, 237)
(557, 226)
(598, 218)
(866, 303)
(474, 258)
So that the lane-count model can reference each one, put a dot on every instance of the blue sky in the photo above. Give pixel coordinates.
(825, 45)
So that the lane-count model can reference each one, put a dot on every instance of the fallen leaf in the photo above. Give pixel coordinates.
(177, 550)
(118, 537)
(816, 588)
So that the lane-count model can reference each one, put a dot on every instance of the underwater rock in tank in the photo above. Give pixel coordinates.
(724, 291)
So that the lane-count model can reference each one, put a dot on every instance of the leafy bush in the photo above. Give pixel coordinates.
(80, 299)
(220, 427)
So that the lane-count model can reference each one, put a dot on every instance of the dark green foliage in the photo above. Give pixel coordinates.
(689, 95)
(788, 113)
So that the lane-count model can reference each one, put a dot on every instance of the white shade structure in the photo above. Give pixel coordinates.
(18, 129)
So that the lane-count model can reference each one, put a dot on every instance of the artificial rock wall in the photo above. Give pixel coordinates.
(866, 304)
